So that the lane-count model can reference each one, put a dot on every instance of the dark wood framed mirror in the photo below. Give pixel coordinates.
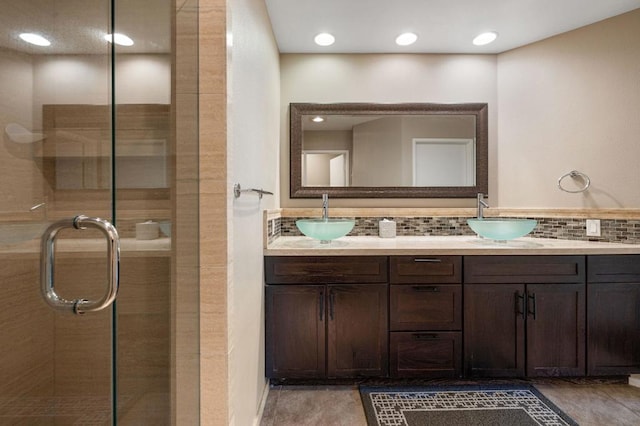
(370, 150)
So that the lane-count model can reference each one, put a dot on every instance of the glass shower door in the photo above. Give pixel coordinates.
(103, 126)
(143, 158)
(56, 162)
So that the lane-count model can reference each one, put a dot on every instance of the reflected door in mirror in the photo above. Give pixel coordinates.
(325, 168)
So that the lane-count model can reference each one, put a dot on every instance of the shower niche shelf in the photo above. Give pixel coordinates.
(76, 153)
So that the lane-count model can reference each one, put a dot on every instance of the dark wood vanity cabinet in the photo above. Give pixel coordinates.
(524, 315)
(613, 320)
(326, 317)
(425, 318)
(412, 316)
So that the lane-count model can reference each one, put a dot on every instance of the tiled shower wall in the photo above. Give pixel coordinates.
(612, 230)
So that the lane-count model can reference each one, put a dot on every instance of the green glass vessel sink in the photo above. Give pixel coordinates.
(502, 229)
(325, 229)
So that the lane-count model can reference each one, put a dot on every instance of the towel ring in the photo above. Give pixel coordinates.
(574, 174)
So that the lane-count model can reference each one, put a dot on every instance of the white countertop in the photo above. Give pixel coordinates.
(441, 245)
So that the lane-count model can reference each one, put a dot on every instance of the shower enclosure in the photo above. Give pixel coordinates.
(98, 109)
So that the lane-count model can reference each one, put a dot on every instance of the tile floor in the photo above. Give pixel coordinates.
(589, 404)
(145, 409)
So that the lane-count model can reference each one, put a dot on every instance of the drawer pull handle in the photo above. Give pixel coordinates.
(520, 308)
(534, 309)
(427, 260)
(332, 301)
(428, 289)
(424, 336)
(321, 307)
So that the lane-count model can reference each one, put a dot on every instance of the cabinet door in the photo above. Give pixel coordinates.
(357, 340)
(494, 330)
(556, 329)
(613, 328)
(295, 331)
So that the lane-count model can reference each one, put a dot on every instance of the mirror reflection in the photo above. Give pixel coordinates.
(408, 150)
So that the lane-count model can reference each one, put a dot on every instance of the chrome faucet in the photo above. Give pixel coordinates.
(325, 206)
(481, 205)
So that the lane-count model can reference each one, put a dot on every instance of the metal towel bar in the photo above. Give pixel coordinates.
(574, 174)
(237, 191)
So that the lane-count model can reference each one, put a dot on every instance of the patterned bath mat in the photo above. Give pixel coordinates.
(498, 405)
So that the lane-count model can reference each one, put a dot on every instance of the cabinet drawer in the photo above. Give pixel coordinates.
(425, 354)
(426, 307)
(524, 269)
(325, 269)
(613, 269)
(425, 269)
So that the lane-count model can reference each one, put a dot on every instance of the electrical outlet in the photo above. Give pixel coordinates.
(593, 227)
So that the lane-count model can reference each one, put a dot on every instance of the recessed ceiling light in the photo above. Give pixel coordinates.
(317, 119)
(36, 39)
(119, 39)
(485, 38)
(324, 39)
(406, 39)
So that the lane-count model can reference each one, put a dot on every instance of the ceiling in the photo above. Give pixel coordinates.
(78, 26)
(360, 26)
(442, 26)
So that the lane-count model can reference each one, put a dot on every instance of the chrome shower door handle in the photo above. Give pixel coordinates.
(47, 265)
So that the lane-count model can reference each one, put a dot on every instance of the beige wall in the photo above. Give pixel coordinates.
(16, 86)
(568, 102)
(21, 180)
(238, 135)
(85, 79)
(253, 109)
(187, 344)
(339, 140)
(376, 162)
(212, 198)
(27, 336)
(397, 78)
(571, 102)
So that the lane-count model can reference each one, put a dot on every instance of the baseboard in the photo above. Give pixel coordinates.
(634, 380)
(263, 403)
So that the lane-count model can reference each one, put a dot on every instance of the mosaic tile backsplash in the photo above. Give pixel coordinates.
(612, 230)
